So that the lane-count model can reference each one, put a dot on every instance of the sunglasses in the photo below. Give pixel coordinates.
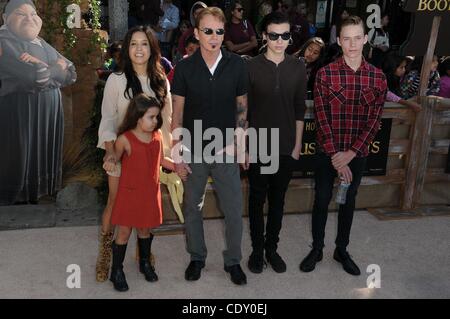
(275, 36)
(209, 31)
(239, 9)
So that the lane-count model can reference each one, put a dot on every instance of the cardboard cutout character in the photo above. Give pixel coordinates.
(31, 112)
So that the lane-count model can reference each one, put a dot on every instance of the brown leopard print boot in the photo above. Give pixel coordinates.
(104, 256)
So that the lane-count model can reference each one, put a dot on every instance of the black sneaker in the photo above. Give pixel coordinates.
(309, 263)
(276, 261)
(348, 264)
(256, 262)
(238, 277)
(194, 270)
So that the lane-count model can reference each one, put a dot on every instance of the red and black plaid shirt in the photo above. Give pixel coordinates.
(348, 107)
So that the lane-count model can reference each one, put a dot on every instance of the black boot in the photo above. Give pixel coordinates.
(145, 267)
(117, 274)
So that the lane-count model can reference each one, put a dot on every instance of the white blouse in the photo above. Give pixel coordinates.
(115, 105)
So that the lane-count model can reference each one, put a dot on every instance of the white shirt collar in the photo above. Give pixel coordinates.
(214, 67)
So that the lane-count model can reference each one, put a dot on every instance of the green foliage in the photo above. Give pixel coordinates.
(91, 139)
(52, 26)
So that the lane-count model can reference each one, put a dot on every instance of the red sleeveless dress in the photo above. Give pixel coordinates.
(138, 200)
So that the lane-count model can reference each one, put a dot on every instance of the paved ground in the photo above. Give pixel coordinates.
(413, 257)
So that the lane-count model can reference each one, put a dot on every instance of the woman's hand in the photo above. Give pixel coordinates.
(109, 167)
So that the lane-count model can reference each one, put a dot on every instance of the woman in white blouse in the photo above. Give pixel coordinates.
(141, 72)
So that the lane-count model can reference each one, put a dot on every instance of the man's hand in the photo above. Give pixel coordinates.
(296, 153)
(182, 169)
(346, 174)
(342, 159)
(246, 165)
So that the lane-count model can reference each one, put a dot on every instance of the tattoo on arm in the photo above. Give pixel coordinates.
(241, 114)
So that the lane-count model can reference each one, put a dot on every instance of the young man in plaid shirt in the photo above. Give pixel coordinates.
(348, 95)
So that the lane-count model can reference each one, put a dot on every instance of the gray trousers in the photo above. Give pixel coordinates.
(227, 184)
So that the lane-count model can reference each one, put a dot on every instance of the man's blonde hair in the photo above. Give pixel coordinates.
(213, 11)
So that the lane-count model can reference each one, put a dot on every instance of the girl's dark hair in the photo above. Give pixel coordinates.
(274, 17)
(191, 39)
(139, 104)
(155, 71)
(116, 46)
(315, 40)
(390, 65)
(316, 65)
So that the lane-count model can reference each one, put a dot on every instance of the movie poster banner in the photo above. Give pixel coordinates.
(376, 161)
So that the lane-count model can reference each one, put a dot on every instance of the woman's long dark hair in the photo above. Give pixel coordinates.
(155, 72)
(390, 65)
(139, 104)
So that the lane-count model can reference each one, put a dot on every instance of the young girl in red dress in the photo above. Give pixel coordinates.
(138, 201)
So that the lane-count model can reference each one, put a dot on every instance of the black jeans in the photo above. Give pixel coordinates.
(272, 186)
(324, 178)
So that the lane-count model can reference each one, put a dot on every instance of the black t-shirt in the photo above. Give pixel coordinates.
(210, 98)
(276, 97)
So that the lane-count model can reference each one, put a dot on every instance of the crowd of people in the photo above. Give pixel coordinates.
(244, 38)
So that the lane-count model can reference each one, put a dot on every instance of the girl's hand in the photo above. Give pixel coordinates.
(109, 162)
(110, 157)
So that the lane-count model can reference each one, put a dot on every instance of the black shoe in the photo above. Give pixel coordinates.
(119, 280)
(148, 270)
(309, 263)
(348, 264)
(238, 277)
(194, 270)
(117, 274)
(276, 261)
(145, 267)
(256, 262)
